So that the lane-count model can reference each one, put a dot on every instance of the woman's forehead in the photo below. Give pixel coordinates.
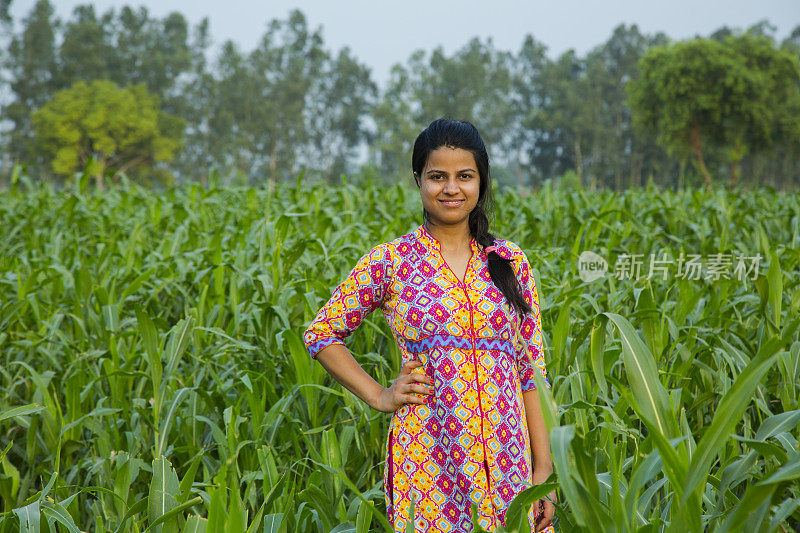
(449, 158)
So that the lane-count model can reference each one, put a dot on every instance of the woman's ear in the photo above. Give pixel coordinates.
(416, 179)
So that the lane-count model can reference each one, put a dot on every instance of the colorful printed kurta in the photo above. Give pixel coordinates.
(469, 442)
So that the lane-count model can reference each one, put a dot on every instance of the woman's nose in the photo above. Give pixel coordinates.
(451, 186)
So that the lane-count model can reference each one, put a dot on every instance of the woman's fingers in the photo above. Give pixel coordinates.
(408, 384)
(410, 365)
(546, 517)
(410, 398)
(407, 376)
(418, 383)
(419, 388)
(414, 379)
(421, 378)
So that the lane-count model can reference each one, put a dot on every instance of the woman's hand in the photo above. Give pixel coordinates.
(544, 507)
(400, 392)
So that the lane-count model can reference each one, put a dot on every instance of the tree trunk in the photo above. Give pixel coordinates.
(273, 165)
(99, 169)
(579, 160)
(734, 173)
(697, 150)
(636, 170)
(328, 164)
(784, 170)
(682, 174)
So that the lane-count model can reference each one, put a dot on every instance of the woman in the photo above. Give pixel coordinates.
(464, 311)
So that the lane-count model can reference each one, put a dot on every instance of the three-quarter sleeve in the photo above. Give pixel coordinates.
(531, 359)
(361, 292)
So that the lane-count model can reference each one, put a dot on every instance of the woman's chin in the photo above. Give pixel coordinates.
(448, 219)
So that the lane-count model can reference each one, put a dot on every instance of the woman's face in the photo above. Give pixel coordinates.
(449, 185)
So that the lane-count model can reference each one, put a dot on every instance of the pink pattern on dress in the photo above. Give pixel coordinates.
(469, 442)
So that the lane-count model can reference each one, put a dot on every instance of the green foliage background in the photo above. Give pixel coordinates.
(292, 104)
(99, 124)
(732, 94)
(153, 375)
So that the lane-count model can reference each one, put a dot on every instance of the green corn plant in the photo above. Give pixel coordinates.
(145, 331)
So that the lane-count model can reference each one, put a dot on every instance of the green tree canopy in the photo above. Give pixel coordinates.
(343, 94)
(292, 103)
(126, 46)
(770, 115)
(471, 84)
(115, 127)
(732, 93)
(32, 60)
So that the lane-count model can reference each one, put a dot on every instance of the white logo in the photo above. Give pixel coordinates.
(591, 266)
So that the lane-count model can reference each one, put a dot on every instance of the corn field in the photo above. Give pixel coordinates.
(153, 376)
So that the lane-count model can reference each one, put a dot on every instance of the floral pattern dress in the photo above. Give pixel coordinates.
(469, 443)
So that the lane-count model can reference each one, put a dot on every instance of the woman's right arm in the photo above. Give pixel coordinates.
(363, 291)
(340, 364)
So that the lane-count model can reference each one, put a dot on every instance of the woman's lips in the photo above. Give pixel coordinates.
(452, 203)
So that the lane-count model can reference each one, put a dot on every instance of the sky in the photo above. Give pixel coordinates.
(381, 34)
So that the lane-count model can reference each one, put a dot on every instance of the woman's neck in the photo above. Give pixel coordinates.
(451, 238)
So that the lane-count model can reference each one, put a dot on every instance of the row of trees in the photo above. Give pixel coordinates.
(737, 95)
(126, 90)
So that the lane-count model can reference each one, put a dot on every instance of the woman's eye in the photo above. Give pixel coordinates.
(440, 177)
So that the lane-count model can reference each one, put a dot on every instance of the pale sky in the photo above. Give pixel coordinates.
(381, 34)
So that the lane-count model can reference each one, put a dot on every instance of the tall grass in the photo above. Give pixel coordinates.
(153, 377)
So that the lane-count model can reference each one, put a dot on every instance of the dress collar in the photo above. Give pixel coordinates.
(430, 242)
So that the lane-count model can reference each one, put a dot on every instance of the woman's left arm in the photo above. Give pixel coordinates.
(540, 440)
(540, 452)
(531, 361)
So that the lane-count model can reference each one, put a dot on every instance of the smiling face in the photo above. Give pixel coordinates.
(449, 185)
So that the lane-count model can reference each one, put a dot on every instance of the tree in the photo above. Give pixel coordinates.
(679, 95)
(792, 42)
(85, 50)
(728, 94)
(118, 129)
(769, 113)
(617, 149)
(126, 47)
(570, 110)
(5, 6)
(198, 96)
(571, 113)
(341, 99)
(6, 23)
(396, 124)
(150, 51)
(787, 152)
(32, 60)
(284, 66)
(529, 140)
(473, 84)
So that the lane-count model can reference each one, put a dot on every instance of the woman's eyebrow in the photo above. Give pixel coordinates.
(443, 172)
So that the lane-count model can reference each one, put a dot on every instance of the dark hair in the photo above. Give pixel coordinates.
(464, 135)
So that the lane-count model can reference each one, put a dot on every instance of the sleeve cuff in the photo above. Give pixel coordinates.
(530, 384)
(315, 347)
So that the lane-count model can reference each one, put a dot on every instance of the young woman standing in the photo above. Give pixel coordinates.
(463, 306)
